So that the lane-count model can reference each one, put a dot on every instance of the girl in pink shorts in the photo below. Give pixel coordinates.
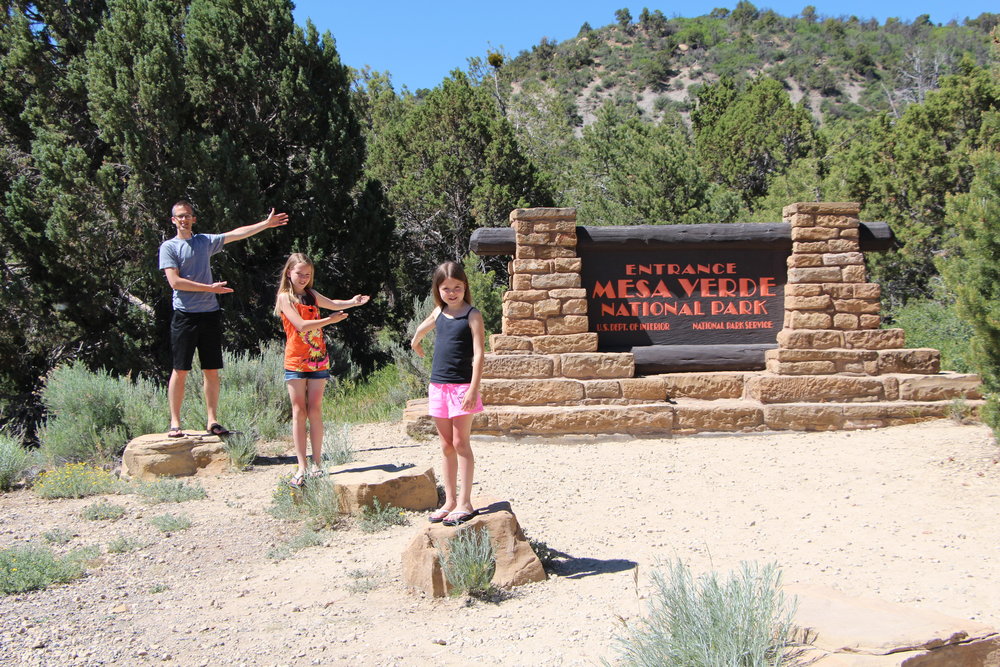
(453, 396)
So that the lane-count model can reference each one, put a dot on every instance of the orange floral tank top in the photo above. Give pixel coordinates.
(305, 351)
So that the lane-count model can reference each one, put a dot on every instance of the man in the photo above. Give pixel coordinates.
(197, 320)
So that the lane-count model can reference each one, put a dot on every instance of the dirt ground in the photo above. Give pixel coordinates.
(906, 514)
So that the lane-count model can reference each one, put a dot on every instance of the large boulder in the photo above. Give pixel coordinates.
(358, 484)
(156, 455)
(516, 562)
(839, 630)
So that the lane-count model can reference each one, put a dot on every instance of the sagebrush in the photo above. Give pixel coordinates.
(15, 461)
(468, 562)
(742, 620)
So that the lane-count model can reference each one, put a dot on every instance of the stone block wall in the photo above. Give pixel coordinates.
(546, 354)
(833, 369)
(832, 316)
(545, 310)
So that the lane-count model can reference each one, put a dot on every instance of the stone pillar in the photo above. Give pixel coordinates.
(545, 311)
(832, 316)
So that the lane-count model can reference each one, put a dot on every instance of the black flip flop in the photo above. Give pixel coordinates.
(175, 432)
(437, 517)
(218, 429)
(460, 519)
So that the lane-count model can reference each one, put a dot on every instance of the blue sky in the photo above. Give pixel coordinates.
(419, 43)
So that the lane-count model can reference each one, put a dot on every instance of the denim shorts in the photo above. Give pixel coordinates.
(306, 375)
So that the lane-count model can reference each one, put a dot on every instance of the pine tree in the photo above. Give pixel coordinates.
(903, 172)
(226, 103)
(449, 163)
(971, 270)
(631, 172)
(747, 137)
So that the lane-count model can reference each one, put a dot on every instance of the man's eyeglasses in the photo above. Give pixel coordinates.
(184, 216)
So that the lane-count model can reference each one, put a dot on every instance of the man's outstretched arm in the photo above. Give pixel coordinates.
(188, 285)
(273, 220)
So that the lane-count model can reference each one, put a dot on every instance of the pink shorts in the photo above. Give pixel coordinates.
(445, 400)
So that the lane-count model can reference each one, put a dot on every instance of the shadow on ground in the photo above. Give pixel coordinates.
(572, 567)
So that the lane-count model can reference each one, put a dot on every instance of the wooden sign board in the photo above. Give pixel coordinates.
(640, 297)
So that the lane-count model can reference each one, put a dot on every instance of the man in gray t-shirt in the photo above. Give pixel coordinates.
(197, 322)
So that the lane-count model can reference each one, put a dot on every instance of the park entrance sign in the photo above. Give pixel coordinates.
(685, 297)
(673, 330)
(704, 297)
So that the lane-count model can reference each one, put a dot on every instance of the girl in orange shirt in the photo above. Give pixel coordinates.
(307, 365)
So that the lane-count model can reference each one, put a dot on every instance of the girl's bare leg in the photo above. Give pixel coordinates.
(461, 432)
(314, 409)
(449, 462)
(297, 394)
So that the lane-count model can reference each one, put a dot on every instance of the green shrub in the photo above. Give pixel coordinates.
(253, 395)
(468, 562)
(242, 449)
(92, 415)
(414, 371)
(15, 461)
(337, 446)
(170, 491)
(378, 517)
(103, 511)
(305, 539)
(30, 568)
(935, 323)
(124, 545)
(316, 502)
(374, 398)
(742, 621)
(970, 269)
(487, 293)
(58, 536)
(362, 581)
(77, 480)
(321, 503)
(171, 523)
(285, 501)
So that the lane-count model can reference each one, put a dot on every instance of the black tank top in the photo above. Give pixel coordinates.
(452, 361)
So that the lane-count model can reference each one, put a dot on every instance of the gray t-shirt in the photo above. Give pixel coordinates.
(191, 259)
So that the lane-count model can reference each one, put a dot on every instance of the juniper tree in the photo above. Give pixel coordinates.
(449, 162)
(632, 172)
(746, 137)
(902, 172)
(971, 270)
(133, 105)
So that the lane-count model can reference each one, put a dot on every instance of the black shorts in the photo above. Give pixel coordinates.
(196, 331)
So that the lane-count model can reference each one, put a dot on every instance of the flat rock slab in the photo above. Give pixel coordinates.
(156, 455)
(408, 487)
(864, 632)
(516, 562)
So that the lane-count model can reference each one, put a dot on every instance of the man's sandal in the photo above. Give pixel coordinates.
(217, 429)
(297, 481)
(175, 432)
(315, 473)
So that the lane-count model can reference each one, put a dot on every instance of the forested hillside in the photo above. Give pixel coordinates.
(112, 110)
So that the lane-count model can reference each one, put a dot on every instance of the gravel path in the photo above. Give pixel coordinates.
(906, 514)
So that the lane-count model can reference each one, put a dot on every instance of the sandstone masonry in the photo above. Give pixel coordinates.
(834, 367)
